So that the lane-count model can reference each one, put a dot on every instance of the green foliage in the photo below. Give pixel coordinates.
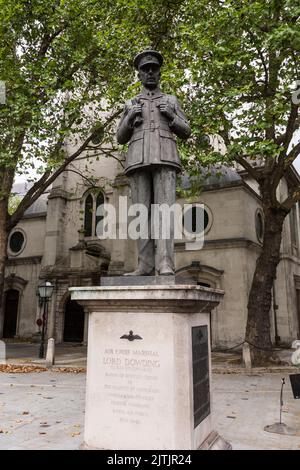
(13, 203)
(236, 63)
(65, 64)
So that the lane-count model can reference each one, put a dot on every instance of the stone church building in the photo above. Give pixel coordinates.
(56, 241)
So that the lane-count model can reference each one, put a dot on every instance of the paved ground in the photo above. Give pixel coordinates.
(41, 410)
(67, 354)
(244, 404)
(45, 410)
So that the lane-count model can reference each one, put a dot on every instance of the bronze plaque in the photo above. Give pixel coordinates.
(200, 373)
(295, 383)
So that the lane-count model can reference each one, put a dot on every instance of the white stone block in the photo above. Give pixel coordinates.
(50, 356)
(2, 352)
(140, 391)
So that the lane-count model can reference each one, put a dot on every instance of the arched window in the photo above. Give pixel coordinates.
(91, 204)
(259, 225)
(99, 203)
(88, 216)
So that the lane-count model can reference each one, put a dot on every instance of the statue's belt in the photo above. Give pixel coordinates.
(153, 128)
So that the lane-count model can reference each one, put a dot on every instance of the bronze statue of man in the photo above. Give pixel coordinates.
(148, 123)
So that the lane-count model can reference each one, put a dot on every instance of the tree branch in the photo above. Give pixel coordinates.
(86, 178)
(292, 155)
(48, 39)
(249, 168)
(288, 203)
(47, 178)
(283, 160)
(110, 154)
(290, 128)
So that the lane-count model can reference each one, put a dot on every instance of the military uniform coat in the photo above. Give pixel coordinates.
(151, 138)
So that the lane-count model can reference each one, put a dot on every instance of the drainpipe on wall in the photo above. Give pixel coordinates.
(275, 308)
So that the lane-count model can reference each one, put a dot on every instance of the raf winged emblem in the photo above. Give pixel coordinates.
(131, 336)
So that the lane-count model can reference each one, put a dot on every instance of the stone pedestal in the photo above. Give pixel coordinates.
(148, 371)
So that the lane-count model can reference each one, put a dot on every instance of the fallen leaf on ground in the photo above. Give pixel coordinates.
(75, 370)
(75, 434)
(20, 369)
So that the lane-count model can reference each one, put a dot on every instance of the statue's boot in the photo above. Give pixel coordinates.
(166, 270)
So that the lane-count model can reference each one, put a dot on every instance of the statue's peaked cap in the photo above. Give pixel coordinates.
(148, 57)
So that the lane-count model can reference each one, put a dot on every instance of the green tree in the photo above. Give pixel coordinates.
(239, 62)
(13, 203)
(66, 66)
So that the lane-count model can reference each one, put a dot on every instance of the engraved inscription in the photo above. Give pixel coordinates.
(131, 382)
(200, 373)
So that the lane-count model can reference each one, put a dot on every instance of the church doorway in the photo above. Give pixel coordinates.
(11, 307)
(74, 322)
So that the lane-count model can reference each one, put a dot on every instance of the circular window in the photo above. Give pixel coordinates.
(196, 219)
(16, 242)
(259, 225)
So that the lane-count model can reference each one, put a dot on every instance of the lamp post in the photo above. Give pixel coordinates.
(45, 291)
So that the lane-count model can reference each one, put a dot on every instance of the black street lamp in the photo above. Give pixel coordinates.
(45, 291)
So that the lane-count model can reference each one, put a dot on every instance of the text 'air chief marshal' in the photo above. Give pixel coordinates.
(148, 123)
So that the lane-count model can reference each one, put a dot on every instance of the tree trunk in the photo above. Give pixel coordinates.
(260, 297)
(6, 182)
(3, 255)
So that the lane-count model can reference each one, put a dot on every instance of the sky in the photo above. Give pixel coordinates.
(23, 179)
(296, 138)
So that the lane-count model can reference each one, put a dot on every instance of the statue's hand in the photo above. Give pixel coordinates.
(135, 111)
(167, 110)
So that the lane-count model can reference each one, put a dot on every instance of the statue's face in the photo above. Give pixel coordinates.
(149, 75)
